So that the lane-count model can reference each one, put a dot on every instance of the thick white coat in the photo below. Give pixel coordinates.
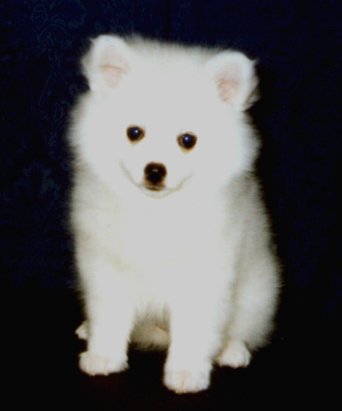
(188, 267)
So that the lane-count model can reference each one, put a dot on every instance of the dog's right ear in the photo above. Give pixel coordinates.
(107, 61)
(235, 78)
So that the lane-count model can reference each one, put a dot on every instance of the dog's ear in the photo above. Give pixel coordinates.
(234, 77)
(107, 61)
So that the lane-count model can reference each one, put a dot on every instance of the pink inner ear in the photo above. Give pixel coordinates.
(112, 74)
(228, 87)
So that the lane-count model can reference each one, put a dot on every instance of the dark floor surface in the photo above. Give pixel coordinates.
(40, 369)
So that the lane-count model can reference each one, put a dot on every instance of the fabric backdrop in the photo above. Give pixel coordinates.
(298, 45)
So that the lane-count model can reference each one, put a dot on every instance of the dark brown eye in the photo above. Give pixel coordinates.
(187, 141)
(135, 133)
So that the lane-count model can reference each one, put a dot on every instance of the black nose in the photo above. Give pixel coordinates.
(155, 173)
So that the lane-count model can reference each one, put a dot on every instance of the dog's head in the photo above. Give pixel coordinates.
(165, 117)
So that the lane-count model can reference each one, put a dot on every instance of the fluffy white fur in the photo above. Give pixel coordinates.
(187, 267)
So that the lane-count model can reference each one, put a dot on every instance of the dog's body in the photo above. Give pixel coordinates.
(172, 241)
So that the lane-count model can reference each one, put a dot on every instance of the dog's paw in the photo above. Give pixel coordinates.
(235, 355)
(185, 381)
(82, 331)
(96, 364)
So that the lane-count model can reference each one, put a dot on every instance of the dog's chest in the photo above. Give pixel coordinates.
(160, 238)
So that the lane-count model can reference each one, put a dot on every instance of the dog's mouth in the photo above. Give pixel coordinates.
(148, 188)
(154, 190)
(154, 187)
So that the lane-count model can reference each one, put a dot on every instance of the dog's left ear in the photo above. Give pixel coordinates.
(235, 78)
(108, 60)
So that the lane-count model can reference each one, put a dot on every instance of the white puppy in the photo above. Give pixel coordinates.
(172, 241)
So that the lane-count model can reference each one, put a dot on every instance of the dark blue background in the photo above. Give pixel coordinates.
(299, 48)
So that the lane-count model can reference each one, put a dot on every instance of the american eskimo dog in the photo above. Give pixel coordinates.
(172, 241)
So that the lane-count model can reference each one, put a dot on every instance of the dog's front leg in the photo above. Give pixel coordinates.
(195, 340)
(109, 315)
